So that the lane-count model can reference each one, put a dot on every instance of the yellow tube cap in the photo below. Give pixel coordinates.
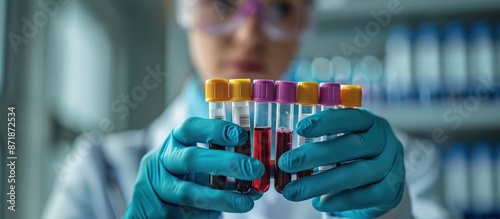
(240, 90)
(216, 90)
(307, 93)
(351, 95)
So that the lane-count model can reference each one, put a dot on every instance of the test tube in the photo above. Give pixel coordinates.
(307, 98)
(263, 97)
(217, 94)
(350, 97)
(286, 92)
(329, 98)
(240, 94)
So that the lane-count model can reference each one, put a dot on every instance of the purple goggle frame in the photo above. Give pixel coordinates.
(249, 8)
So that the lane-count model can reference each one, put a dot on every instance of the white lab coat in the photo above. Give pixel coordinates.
(101, 184)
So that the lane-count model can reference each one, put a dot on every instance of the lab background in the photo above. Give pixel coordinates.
(432, 68)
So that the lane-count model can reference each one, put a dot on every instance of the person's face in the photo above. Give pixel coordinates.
(245, 53)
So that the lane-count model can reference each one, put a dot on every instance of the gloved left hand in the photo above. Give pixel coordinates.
(171, 182)
(369, 186)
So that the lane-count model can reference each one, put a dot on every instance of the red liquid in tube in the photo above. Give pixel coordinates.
(217, 182)
(283, 144)
(262, 152)
(244, 186)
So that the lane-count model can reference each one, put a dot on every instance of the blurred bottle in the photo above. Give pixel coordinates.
(481, 57)
(456, 183)
(482, 180)
(374, 69)
(360, 77)
(455, 60)
(427, 63)
(303, 70)
(497, 79)
(341, 70)
(397, 79)
(321, 68)
(497, 174)
(367, 72)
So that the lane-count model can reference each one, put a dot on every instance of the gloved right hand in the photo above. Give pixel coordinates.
(165, 187)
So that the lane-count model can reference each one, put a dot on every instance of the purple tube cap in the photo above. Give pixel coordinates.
(286, 92)
(263, 91)
(329, 94)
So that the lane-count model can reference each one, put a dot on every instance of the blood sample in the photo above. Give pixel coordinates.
(216, 94)
(263, 96)
(262, 152)
(285, 97)
(283, 144)
(329, 98)
(240, 94)
(307, 98)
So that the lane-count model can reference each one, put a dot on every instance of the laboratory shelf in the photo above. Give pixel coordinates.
(417, 119)
(349, 10)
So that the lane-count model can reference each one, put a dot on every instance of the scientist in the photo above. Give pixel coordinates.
(157, 172)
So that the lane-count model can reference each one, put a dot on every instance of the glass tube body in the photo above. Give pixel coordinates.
(340, 134)
(262, 136)
(323, 108)
(284, 133)
(217, 110)
(305, 111)
(345, 107)
(241, 117)
(327, 137)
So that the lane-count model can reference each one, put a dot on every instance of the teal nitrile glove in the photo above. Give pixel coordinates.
(162, 188)
(369, 186)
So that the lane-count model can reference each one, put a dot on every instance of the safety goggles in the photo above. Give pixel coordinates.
(279, 19)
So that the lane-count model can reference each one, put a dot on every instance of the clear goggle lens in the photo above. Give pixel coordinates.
(279, 19)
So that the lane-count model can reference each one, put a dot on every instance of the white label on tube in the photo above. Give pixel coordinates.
(303, 140)
(219, 118)
(245, 121)
(219, 114)
(241, 117)
(302, 116)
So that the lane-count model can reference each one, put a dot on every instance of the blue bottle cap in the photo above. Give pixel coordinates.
(456, 149)
(482, 149)
(481, 29)
(428, 29)
(401, 30)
